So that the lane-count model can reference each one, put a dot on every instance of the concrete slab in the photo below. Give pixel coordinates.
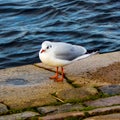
(102, 102)
(110, 89)
(115, 116)
(63, 116)
(112, 111)
(28, 86)
(19, 116)
(93, 63)
(60, 108)
(97, 70)
(3, 109)
(106, 110)
(76, 94)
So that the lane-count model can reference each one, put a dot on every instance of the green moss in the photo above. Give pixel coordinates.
(76, 85)
(33, 118)
(86, 114)
(90, 97)
(73, 118)
(88, 108)
(69, 81)
(14, 111)
(74, 101)
(54, 104)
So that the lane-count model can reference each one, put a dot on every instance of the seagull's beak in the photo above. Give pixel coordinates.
(42, 51)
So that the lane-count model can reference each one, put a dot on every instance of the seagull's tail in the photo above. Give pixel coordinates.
(85, 55)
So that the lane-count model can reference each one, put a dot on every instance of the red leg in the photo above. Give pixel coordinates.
(61, 79)
(56, 75)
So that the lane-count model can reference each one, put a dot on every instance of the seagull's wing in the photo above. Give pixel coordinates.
(67, 51)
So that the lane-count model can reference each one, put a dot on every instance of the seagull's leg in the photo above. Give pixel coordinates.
(61, 79)
(56, 75)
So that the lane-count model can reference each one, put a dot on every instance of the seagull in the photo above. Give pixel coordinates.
(59, 54)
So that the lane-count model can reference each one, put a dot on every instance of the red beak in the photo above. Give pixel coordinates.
(42, 51)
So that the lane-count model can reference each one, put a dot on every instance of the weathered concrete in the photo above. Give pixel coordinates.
(28, 86)
(59, 109)
(115, 116)
(19, 116)
(106, 110)
(62, 116)
(92, 64)
(97, 70)
(3, 109)
(76, 93)
(76, 114)
(110, 89)
(102, 102)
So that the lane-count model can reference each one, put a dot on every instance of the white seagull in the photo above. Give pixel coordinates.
(59, 54)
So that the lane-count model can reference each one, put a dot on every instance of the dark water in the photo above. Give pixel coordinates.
(25, 24)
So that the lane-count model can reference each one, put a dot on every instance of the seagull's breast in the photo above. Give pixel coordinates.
(51, 60)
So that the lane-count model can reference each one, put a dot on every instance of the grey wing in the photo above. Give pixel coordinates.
(68, 52)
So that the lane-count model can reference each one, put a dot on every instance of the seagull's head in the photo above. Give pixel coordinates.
(46, 45)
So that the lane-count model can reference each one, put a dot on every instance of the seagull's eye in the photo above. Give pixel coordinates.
(47, 47)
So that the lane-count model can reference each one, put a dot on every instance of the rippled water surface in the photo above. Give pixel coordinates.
(25, 24)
